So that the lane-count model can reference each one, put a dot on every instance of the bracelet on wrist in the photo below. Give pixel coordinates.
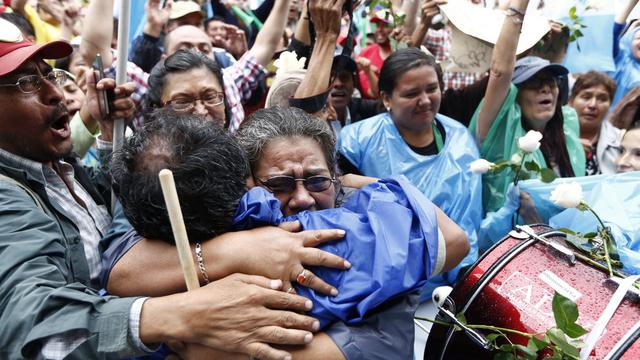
(515, 11)
(516, 16)
(200, 260)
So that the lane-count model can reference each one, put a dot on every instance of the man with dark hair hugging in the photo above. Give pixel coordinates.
(394, 239)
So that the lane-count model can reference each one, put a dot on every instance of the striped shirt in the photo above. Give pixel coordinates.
(91, 219)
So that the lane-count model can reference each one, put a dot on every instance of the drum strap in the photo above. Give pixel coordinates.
(607, 314)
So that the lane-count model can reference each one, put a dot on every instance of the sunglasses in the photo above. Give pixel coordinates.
(286, 183)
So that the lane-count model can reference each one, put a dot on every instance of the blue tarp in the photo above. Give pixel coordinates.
(596, 46)
(391, 242)
(615, 198)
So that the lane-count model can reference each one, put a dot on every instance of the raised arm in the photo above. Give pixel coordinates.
(325, 15)
(410, 9)
(428, 10)
(302, 26)
(271, 33)
(18, 6)
(97, 32)
(502, 65)
(624, 13)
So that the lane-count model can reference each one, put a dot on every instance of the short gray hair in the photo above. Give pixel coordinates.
(266, 125)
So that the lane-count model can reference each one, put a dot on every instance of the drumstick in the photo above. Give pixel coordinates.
(179, 231)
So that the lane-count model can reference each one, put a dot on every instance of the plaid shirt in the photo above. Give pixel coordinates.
(438, 42)
(240, 79)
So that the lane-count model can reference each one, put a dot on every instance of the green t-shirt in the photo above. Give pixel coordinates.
(502, 142)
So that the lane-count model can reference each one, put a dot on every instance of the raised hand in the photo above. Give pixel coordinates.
(157, 16)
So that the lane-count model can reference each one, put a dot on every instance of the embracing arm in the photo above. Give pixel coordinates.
(151, 267)
(456, 242)
(502, 65)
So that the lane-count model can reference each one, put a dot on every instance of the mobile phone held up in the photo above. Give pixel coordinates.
(105, 97)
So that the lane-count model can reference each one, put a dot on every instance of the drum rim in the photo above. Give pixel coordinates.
(490, 274)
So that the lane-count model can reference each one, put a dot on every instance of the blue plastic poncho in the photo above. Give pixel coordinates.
(627, 74)
(376, 148)
(615, 198)
(392, 243)
(502, 142)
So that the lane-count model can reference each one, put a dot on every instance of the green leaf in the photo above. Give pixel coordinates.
(567, 231)
(547, 175)
(537, 344)
(559, 338)
(492, 337)
(504, 356)
(572, 12)
(611, 246)
(575, 331)
(578, 33)
(590, 235)
(506, 348)
(461, 318)
(578, 241)
(565, 311)
(529, 354)
(531, 166)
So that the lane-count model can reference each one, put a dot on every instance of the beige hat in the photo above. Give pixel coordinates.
(182, 8)
(283, 88)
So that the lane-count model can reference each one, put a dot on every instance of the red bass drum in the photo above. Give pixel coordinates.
(512, 286)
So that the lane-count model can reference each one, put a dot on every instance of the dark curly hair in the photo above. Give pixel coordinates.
(209, 167)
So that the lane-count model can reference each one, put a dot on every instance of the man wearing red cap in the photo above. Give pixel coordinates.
(372, 57)
(52, 218)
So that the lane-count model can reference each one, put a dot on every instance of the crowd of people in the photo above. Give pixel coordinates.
(322, 152)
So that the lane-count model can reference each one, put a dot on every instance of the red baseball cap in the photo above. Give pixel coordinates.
(15, 50)
(381, 17)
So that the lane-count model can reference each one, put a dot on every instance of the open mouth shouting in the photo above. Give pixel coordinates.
(59, 123)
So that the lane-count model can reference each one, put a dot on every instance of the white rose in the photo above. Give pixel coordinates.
(516, 158)
(480, 166)
(288, 61)
(440, 294)
(597, 5)
(530, 142)
(567, 195)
